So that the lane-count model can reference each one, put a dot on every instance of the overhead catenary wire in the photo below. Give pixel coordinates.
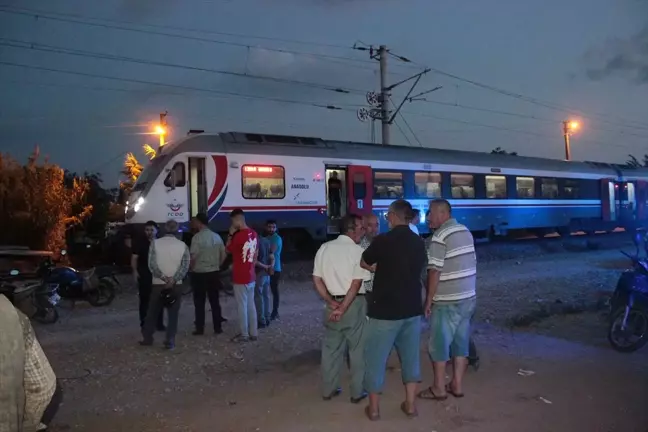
(21, 44)
(351, 60)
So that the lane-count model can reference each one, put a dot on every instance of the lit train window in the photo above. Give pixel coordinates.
(495, 187)
(263, 182)
(549, 188)
(571, 190)
(462, 185)
(388, 185)
(525, 187)
(427, 184)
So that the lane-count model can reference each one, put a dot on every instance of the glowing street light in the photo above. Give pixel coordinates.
(161, 129)
(569, 127)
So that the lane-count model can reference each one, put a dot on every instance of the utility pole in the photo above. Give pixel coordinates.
(566, 136)
(384, 94)
(380, 103)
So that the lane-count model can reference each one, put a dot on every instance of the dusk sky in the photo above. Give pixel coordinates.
(546, 58)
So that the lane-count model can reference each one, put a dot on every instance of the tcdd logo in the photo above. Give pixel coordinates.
(175, 209)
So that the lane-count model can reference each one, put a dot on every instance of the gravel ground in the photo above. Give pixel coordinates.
(209, 384)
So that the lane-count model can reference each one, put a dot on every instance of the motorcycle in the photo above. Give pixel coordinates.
(37, 300)
(94, 286)
(628, 330)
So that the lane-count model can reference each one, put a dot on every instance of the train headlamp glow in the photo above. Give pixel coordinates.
(138, 204)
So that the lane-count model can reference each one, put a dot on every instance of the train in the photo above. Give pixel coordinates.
(285, 178)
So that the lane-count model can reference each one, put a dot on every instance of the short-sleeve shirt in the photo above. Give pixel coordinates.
(276, 241)
(243, 247)
(208, 250)
(401, 257)
(338, 263)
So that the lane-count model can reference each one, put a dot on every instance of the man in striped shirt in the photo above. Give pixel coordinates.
(451, 298)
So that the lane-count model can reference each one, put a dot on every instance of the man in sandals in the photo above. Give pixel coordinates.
(338, 279)
(451, 299)
(394, 307)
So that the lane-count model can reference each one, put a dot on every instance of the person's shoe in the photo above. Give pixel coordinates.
(223, 319)
(274, 316)
(360, 398)
(161, 328)
(240, 339)
(218, 330)
(169, 345)
(198, 332)
(262, 325)
(333, 394)
(146, 342)
(254, 338)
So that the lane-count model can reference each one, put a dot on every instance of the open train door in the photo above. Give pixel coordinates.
(641, 197)
(359, 189)
(609, 197)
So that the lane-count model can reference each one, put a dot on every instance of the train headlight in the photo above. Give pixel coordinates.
(138, 204)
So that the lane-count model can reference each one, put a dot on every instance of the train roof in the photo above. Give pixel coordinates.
(254, 143)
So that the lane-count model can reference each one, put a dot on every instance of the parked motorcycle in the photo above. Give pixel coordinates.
(35, 299)
(94, 286)
(628, 329)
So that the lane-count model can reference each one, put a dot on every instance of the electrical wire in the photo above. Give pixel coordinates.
(20, 44)
(177, 86)
(5, 9)
(403, 133)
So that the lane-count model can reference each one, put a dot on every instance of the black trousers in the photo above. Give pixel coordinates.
(335, 202)
(145, 285)
(53, 406)
(274, 287)
(206, 286)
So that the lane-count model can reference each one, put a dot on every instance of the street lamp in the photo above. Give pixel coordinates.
(569, 127)
(161, 129)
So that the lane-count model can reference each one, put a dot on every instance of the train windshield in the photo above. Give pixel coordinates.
(149, 173)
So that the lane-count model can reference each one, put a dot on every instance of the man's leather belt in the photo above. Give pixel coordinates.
(341, 297)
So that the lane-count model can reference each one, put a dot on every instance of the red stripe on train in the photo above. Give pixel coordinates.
(296, 207)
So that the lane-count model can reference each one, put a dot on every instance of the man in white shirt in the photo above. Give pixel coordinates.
(339, 279)
(169, 263)
(416, 219)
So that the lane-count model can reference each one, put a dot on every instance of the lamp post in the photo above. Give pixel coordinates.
(569, 127)
(161, 128)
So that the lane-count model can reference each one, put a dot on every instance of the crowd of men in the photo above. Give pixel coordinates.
(160, 266)
(377, 287)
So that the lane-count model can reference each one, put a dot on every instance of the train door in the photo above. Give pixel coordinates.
(628, 201)
(609, 194)
(641, 197)
(197, 186)
(360, 189)
(336, 191)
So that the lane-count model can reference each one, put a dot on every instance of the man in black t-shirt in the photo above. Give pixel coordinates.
(394, 307)
(335, 194)
(141, 273)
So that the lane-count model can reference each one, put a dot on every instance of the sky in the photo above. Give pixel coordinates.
(510, 72)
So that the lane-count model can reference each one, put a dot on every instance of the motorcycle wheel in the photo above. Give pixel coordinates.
(637, 326)
(103, 295)
(46, 315)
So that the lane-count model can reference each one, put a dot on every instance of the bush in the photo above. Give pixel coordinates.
(36, 205)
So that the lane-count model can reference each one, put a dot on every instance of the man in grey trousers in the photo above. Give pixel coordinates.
(339, 279)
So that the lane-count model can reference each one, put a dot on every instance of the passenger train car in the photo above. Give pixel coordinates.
(285, 178)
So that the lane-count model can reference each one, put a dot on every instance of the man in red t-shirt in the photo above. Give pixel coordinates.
(242, 243)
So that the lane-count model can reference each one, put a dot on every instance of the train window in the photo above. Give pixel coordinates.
(495, 187)
(427, 184)
(359, 186)
(263, 182)
(525, 187)
(463, 185)
(549, 188)
(176, 177)
(571, 190)
(388, 185)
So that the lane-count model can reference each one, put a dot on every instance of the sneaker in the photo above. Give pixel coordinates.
(146, 342)
(274, 316)
(240, 339)
(198, 332)
(218, 330)
(254, 338)
(262, 325)
(169, 345)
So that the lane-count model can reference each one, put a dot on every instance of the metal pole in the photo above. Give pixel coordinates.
(567, 144)
(162, 125)
(384, 94)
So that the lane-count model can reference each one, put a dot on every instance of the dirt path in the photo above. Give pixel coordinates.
(209, 384)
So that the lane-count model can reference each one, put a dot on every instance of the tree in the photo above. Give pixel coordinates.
(501, 151)
(131, 170)
(38, 204)
(633, 162)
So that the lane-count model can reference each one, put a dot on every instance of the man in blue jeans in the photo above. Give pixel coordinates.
(451, 299)
(394, 307)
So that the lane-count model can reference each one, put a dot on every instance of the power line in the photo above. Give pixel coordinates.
(403, 133)
(19, 44)
(5, 9)
(137, 81)
(180, 28)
